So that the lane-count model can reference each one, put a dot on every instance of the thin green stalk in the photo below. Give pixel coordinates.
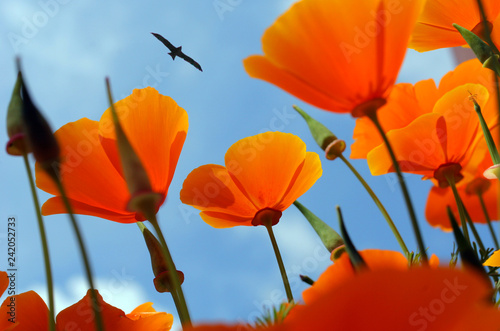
(411, 211)
(288, 290)
(95, 303)
(460, 206)
(177, 293)
(488, 219)
(379, 205)
(474, 230)
(45, 246)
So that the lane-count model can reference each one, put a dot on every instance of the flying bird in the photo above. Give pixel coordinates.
(176, 51)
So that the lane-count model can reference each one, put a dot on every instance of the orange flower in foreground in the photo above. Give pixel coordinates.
(91, 172)
(434, 27)
(420, 298)
(31, 314)
(263, 173)
(436, 212)
(407, 102)
(449, 136)
(337, 55)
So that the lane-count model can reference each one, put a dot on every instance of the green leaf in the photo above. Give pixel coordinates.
(330, 238)
(320, 133)
(356, 259)
(479, 47)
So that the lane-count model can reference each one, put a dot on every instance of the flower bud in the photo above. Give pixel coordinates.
(42, 142)
(17, 144)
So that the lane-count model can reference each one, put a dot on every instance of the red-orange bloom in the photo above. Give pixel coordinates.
(91, 171)
(31, 313)
(337, 55)
(266, 172)
(420, 298)
(450, 136)
(470, 192)
(434, 27)
(407, 102)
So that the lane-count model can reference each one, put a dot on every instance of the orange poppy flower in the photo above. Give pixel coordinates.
(407, 102)
(434, 27)
(342, 269)
(493, 260)
(337, 55)
(450, 135)
(91, 172)
(265, 172)
(420, 298)
(31, 313)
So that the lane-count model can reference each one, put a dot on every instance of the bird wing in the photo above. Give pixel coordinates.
(190, 60)
(164, 41)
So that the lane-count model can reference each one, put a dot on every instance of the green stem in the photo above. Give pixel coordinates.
(288, 290)
(460, 206)
(474, 230)
(93, 294)
(379, 205)
(177, 293)
(413, 218)
(45, 246)
(487, 217)
(492, 148)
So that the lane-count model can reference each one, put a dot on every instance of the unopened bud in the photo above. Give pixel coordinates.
(335, 149)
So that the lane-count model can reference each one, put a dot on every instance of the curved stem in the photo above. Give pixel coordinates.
(288, 290)
(474, 230)
(487, 217)
(93, 294)
(460, 206)
(379, 205)
(45, 246)
(411, 211)
(177, 293)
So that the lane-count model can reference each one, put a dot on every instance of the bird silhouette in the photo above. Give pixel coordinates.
(176, 51)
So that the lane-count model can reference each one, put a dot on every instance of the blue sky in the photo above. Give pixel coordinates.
(68, 47)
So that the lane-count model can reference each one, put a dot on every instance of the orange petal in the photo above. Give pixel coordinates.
(342, 270)
(309, 174)
(493, 260)
(405, 103)
(210, 188)
(329, 55)
(80, 316)
(87, 174)
(462, 123)
(419, 298)
(434, 27)
(30, 311)
(55, 206)
(4, 282)
(264, 166)
(156, 137)
(418, 147)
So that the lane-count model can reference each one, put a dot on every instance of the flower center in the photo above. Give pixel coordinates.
(266, 216)
(477, 186)
(368, 108)
(448, 172)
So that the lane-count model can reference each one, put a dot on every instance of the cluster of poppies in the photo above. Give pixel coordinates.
(343, 57)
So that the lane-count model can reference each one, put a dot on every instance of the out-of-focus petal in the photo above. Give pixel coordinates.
(29, 311)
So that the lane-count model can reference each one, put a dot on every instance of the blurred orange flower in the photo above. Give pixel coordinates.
(407, 102)
(449, 136)
(31, 313)
(390, 299)
(91, 171)
(341, 56)
(263, 173)
(434, 27)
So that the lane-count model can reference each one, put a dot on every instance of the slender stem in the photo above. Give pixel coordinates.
(45, 246)
(487, 217)
(288, 290)
(93, 294)
(460, 206)
(177, 294)
(474, 230)
(416, 229)
(379, 205)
